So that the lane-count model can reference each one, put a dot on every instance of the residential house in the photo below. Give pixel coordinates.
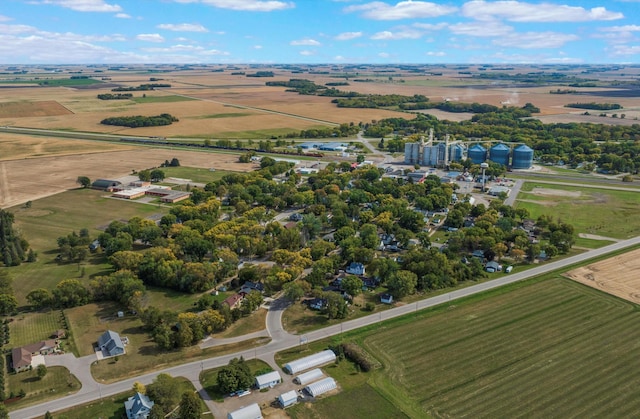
(355, 268)
(492, 266)
(138, 406)
(249, 286)
(110, 343)
(233, 301)
(26, 357)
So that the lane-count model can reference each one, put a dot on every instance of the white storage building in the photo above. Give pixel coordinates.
(248, 412)
(310, 361)
(287, 399)
(320, 387)
(309, 377)
(269, 379)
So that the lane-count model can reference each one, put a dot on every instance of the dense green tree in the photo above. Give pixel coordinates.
(189, 406)
(8, 304)
(41, 371)
(83, 181)
(235, 376)
(352, 285)
(164, 392)
(39, 298)
(70, 293)
(402, 283)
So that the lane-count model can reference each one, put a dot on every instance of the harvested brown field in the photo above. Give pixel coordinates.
(619, 276)
(34, 109)
(21, 146)
(29, 179)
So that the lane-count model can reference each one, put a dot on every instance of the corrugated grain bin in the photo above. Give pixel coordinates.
(477, 154)
(499, 153)
(522, 157)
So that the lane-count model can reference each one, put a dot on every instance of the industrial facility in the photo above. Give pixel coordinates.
(440, 154)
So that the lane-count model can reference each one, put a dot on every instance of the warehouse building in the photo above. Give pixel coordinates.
(268, 380)
(310, 361)
(248, 412)
(287, 399)
(321, 387)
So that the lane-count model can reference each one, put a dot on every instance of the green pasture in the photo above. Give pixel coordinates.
(196, 174)
(59, 215)
(112, 407)
(208, 378)
(58, 382)
(605, 212)
(590, 243)
(29, 328)
(162, 99)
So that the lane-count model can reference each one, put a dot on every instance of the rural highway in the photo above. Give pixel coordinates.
(281, 340)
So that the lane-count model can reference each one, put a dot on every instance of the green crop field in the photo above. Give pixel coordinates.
(196, 174)
(606, 212)
(550, 349)
(33, 327)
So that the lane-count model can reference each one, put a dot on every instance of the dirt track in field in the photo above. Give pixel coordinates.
(619, 276)
(29, 179)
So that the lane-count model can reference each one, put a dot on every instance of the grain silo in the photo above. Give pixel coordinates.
(522, 157)
(499, 153)
(477, 154)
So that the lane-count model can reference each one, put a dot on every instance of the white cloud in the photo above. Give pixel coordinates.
(384, 55)
(257, 47)
(402, 34)
(123, 16)
(378, 10)
(304, 42)
(624, 28)
(245, 5)
(481, 29)
(516, 11)
(430, 26)
(533, 40)
(5, 18)
(307, 53)
(16, 29)
(150, 37)
(534, 58)
(182, 27)
(85, 5)
(624, 50)
(346, 36)
(436, 53)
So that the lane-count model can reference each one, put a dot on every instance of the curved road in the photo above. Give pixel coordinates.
(281, 340)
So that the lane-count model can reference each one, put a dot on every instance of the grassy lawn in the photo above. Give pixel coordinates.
(59, 215)
(29, 328)
(196, 174)
(169, 299)
(255, 322)
(113, 407)
(590, 210)
(208, 378)
(57, 383)
(590, 243)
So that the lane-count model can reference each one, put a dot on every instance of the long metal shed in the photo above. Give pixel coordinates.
(321, 387)
(248, 412)
(310, 361)
(309, 377)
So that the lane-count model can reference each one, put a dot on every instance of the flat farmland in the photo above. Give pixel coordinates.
(13, 147)
(30, 179)
(619, 276)
(550, 349)
(41, 108)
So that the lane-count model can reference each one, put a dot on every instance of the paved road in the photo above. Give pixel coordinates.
(282, 340)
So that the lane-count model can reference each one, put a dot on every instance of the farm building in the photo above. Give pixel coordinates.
(110, 343)
(138, 406)
(332, 147)
(310, 361)
(289, 398)
(497, 190)
(320, 387)
(106, 185)
(133, 193)
(309, 377)
(248, 412)
(269, 379)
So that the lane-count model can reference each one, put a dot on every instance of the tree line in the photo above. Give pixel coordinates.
(140, 121)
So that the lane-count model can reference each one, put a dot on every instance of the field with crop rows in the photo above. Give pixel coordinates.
(34, 327)
(552, 349)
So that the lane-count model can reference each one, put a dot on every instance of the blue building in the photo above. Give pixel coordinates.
(138, 406)
(110, 343)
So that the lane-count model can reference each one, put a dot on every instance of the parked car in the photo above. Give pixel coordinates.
(508, 269)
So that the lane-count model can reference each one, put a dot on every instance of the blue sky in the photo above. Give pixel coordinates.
(319, 31)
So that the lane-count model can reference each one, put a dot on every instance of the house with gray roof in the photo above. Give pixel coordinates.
(110, 343)
(138, 406)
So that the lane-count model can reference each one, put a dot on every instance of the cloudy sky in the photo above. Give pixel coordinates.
(319, 31)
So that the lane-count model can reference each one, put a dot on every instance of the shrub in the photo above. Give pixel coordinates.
(357, 355)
